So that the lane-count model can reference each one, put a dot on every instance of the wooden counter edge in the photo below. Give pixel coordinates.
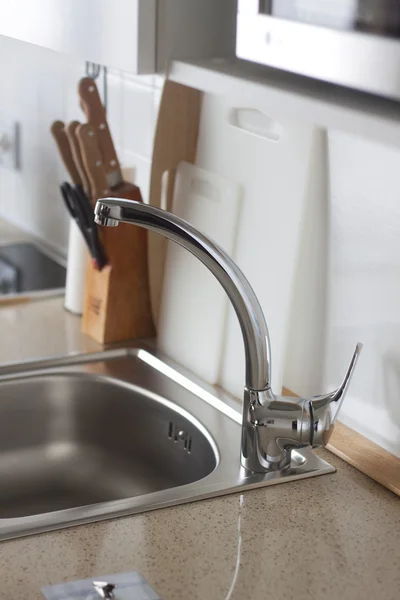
(364, 455)
(6, 302)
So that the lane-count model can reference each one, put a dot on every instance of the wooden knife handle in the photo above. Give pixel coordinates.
(96, 116)
(70, 130)
(92, 160)
(59, 134)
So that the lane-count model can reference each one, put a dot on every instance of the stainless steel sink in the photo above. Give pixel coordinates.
(89, 437)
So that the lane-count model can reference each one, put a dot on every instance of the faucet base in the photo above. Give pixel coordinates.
(304, 463)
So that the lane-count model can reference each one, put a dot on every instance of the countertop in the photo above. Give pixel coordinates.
(331, 537)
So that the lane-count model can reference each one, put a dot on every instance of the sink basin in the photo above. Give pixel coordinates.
(80, 441)
(89, 437)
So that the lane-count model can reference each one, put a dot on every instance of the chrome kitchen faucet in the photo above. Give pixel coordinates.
(272, 425)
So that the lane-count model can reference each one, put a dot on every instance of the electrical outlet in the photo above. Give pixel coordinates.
(9, 143)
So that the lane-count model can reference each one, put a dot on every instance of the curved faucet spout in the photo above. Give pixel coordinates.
(110, 211)
(272, 425)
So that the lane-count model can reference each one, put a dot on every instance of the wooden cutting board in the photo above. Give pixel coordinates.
(175, 140)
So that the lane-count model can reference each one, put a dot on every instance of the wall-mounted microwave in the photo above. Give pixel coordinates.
(354, 43)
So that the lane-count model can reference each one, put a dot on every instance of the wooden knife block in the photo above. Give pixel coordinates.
(117, 299)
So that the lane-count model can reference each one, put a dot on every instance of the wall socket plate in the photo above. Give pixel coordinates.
(9, 142)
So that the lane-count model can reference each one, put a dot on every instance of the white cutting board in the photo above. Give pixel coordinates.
(270, 157)
(194, 305)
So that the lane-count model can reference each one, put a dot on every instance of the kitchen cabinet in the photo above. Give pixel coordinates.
(139, 36)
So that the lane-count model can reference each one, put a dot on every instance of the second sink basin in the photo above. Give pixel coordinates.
(85, 438)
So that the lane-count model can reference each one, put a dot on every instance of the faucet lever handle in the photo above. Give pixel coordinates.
(320, 409)
(342, 390)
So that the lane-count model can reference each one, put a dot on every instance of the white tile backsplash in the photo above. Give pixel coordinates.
(114, 105)
(40, 86)
(138, 116)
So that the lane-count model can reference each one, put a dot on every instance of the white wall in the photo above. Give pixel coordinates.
(364, 288)
(347, 288)
(38, 87)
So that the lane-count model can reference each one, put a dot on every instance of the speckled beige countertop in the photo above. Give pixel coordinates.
(332, 537)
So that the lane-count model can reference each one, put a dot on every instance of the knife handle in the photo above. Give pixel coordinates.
(70, 130)
(92, 160)
(59, 134)
(96, 116)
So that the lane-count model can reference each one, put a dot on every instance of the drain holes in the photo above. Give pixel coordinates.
(179, 436)
(188, 444)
